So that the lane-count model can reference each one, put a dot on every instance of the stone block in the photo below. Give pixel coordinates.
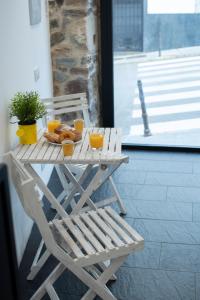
(60, 76)
(79, 71)
(74, 13)
(56, 38)
(79, 40)
(66, 62)
(54, 23)
(78, 85)
(76, 3)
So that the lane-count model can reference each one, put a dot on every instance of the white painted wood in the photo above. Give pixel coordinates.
(83, 244)
(51, 292)
(85, 198)
(55, 274)
(105, 276)
(100, 204)
(85, 145)
(51, 198)
(106, 229)
(61, 111)
(106, 143)
(118, 141)
(88, 233)
(32, 147)
(46, 153)
(113, 139)
(77, 233)
(101, 236)
(115, 226)
(71, 243)
(67, 104)
(66, 97)
(76, 187)
(117, 195)
(126, 226)
(78, 147)
(59, 104)
(37, 266)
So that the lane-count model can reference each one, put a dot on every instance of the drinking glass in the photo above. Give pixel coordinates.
(79, 125)
(68, 147)
(96, 140)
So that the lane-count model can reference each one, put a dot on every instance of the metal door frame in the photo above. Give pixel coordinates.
(107, 87)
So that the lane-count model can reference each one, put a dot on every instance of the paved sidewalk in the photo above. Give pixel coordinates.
(172, 96)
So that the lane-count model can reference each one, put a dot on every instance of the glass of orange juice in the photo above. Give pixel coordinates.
(79, 125)
(53, 124)
(96, 140)
(68, 147)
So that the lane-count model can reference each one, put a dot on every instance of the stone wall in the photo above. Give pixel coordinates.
(74, 49)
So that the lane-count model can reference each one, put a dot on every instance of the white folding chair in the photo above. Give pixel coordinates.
(80, 243)
(66, 105)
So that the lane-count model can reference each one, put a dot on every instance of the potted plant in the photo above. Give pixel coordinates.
(27, 108)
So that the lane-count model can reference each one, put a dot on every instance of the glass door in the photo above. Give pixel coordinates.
(156, 59)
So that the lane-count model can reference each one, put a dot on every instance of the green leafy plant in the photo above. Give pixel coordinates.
(27, 107)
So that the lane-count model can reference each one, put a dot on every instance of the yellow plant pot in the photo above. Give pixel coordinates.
(27, 134)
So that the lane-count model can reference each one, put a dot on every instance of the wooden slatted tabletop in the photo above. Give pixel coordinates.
(44, 152)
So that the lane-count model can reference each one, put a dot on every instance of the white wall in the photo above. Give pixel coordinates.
(22, 47)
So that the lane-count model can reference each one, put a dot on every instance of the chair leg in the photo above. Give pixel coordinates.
(51, 292)
(119, 200)
(105, 276)
(104, 265)
(38, 264)
(77, 189)
(45, 287)
(97, 286)
(85, 193)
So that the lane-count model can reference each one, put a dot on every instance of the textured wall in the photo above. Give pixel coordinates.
(74, 49)
(18, 58)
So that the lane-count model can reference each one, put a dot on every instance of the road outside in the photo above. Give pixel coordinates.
(172, 94)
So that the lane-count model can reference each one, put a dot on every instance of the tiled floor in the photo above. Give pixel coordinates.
(162, 194)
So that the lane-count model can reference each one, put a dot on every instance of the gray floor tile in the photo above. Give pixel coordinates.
(147, 258)
(197, 286)
(146, 284)
(196, 212)
(183, 194)
(196, 167)
(72, 285)
(142, 192)
(173, 179)
(180, 257)
(129, 176)
(155, 155)
(160, 166)
(168, 231)
(159, 210)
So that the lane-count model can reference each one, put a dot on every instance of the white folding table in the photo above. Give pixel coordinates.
(107, 160)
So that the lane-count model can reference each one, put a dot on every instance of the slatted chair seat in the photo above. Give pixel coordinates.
(90, 235)
(92, 245)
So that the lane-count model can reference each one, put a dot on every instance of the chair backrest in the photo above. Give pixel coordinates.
(26, 189)
(67, 104)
